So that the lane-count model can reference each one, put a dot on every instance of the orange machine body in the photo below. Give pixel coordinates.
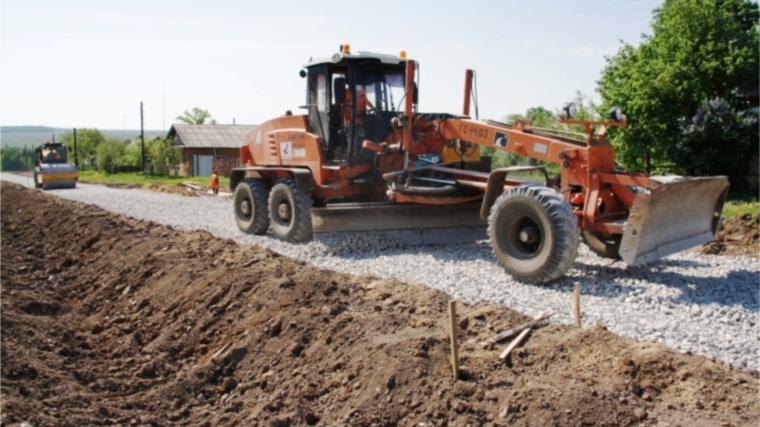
(360, 159)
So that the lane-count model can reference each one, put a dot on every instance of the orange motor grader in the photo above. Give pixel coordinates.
(362, 159)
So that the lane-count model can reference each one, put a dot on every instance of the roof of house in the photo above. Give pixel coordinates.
(209, 136)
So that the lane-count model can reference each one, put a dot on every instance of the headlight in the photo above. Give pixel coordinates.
(569, 110)
(616, 114)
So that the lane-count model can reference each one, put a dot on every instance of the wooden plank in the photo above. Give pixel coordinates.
(516, 330)
(514, 344)
(221, 350)
(454, 344)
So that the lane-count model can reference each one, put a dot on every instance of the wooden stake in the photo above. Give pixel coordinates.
(577, 298)
(514, 344)
(511, 332)
(454, 345)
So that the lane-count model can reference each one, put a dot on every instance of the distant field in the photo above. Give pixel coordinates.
(19, 136)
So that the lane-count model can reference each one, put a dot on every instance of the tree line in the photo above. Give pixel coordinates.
(96, 151)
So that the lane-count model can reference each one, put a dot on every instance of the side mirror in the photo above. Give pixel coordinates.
(302, 73)
(415, 98)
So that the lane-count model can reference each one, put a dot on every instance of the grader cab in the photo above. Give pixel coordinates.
(362, 159)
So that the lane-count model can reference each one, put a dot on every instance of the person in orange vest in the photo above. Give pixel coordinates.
(362, 106)
(215, 181)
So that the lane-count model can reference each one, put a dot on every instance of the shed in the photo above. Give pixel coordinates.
(209, 147)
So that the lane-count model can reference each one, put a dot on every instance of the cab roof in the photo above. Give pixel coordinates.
(343, 58)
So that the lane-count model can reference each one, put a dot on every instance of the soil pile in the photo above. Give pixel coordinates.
(736, 236)
(112, 321)
(154, 186)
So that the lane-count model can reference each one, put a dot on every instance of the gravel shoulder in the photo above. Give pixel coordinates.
(703, 304)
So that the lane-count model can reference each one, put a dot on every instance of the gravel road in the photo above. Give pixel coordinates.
(708, 305)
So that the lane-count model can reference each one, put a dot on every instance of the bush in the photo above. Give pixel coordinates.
(717, 140)
(16, 159)
(162, 155)
(133, 155)
(110, 154)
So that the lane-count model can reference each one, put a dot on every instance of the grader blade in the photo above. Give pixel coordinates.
(678, 214)
(412, 224)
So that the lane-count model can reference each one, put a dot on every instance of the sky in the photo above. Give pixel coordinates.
(90, 63)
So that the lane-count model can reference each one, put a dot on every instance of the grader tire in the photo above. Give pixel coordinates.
(250, 201)
(606, 246)
(534, 233)
(290, 212)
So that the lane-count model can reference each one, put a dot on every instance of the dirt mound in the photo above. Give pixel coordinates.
(736, 236)
(112, 321)
(155, 186)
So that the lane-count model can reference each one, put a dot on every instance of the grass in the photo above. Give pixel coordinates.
(139, 178)
(740, 203)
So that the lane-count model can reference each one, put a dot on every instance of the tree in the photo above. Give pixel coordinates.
(133, 154)
(699, 50)
(15, 159)
(88, 141)
(163, 156)
(196, 117)
(110, 154)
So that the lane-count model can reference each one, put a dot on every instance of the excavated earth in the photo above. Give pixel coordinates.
(736, 236)
(108, 320)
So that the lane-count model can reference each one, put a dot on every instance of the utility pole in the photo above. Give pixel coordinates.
(142, 137)
(76, 159)
(164, 107)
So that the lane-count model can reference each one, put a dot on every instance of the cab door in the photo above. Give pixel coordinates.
(318, 103)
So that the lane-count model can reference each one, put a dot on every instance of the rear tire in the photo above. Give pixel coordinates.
(606, 246)
(250, 204)
(290, 212)
(534, 233)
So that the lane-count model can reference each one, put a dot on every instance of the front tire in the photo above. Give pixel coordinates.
(36, 181)
(250, 202)
(290, 212)
(534, 233)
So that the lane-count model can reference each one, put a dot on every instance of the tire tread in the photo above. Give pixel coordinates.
(564, 225)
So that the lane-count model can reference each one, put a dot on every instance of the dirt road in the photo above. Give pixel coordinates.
(113, 321)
